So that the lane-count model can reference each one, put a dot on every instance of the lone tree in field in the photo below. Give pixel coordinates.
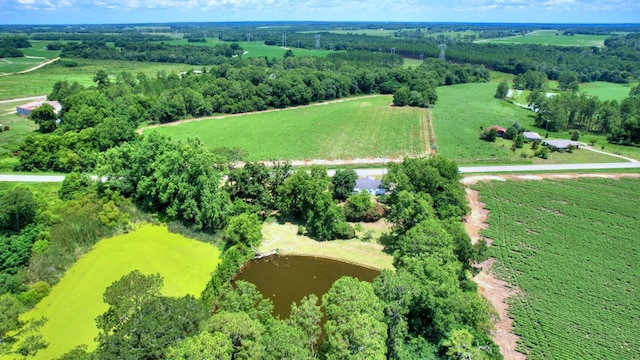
(502, 90)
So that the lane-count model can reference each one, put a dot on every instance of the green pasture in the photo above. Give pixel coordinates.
(39, 48)
(462, 109)
(40, 82)
(18, 127)
(411, 62)
(352, 128)
(75, 302)
(570, 249)
(368, 32)
(12, 65)
(552, 37)
(606, 90)
(256, 48)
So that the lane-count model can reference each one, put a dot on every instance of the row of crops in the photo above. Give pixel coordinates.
(572, 249)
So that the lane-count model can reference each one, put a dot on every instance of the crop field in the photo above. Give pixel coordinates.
(40, 82)
(365, 127)
(606, 90)
(570, 247)
(75, 302)
(553, 37)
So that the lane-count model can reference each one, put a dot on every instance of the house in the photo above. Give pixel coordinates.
(499, 130)
(371, 185)
(561, 145)
(531, 136)
(26, 109)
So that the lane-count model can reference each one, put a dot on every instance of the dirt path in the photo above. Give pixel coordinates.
(39, 65)
(179, 122)
(432, 145)
(493, 289)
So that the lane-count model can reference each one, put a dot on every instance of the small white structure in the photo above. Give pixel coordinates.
(531, 136)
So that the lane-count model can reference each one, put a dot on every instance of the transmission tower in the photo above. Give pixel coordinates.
(284, 41)
(421, 57)
(393, 51)
(204, 33)
(331, 46)
(248, 36)
(317, 41)
(442, 47)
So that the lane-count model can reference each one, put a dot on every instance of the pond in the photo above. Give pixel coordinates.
(285, 279)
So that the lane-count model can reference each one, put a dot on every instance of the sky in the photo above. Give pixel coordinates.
(162, 11)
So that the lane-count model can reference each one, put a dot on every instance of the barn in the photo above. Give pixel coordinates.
(561, 145)
(531, 136)
(26, 109)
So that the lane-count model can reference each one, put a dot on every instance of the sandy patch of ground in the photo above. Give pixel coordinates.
(470, 180)
(284, 238)
(493, 289)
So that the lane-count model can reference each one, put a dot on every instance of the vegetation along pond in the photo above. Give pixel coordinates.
(285, 279)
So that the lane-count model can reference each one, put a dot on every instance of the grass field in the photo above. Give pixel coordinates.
(367, 127)
(18, 127)
(256, 48)
(40, 82)
(368, 32)
(355, 251)
(453, 34)
(76, 300)
(552, 37)
(39, 48)
(571, 248)
(462, 109)
(411, 62)
(12, 65)
(606, 90)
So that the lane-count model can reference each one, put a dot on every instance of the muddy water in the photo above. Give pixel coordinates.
(285, 279)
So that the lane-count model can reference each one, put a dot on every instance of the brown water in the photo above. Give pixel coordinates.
(285, 279)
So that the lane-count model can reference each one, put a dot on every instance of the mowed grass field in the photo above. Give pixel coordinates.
(351, 128)
(75, 302)
(606, 90)
(571, 248)
(41, 81)
(552, 37)
(18, 128)
(255, 48)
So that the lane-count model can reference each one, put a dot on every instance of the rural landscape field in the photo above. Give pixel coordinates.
(198, 150)
(570, 253)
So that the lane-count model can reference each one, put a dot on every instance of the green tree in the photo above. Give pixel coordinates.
(568, 81)
(460, 345)
(75, 184)
(402, 96)
(18, 209)
(45, 117)
(354, 327)
(243, 332)
(245, 229)
(502, 90)
(125, 298)
(284, 341)
(101, 79)
(307, 317)
(205, 345)
(519, 141)
(359, 207)
(244, 297)
(14, 331)
(343, 182)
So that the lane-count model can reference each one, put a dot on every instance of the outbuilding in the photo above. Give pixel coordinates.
(26, 109)
(499, 130)
(531, 136)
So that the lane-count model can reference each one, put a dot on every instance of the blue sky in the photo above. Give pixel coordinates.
(146, 11)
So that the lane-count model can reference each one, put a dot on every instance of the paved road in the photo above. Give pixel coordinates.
(382, 171)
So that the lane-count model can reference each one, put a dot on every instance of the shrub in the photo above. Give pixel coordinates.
(575, 136)
(593, 140)
(345, 231)
(489, 135)
(534, 145)
(300, 230)
(542, 152)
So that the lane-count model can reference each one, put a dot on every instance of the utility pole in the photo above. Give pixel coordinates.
(284, 41)
(442, 47)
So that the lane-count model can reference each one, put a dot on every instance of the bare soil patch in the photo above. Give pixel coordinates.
(470, 180)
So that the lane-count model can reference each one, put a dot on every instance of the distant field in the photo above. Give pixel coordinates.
(412, 62)
(552, 37)
(571, 250)
(257, 48)
(39, 48)
(368, 32)
(12, 65)
(76, 300)
(462, 109)
(606, 91)
(40, 82)
(368, 127)
(453, 34)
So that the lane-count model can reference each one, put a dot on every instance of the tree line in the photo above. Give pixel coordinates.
(98, 118)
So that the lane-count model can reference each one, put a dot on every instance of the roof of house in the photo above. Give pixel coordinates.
(368, 183)
(498, 128)
(531, 135)
(561, 143)
(32, 105)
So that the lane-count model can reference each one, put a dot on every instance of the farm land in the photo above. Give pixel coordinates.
(552, 37)
(570, 248)
(75, 302)
(365, 127)
(255, 48)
